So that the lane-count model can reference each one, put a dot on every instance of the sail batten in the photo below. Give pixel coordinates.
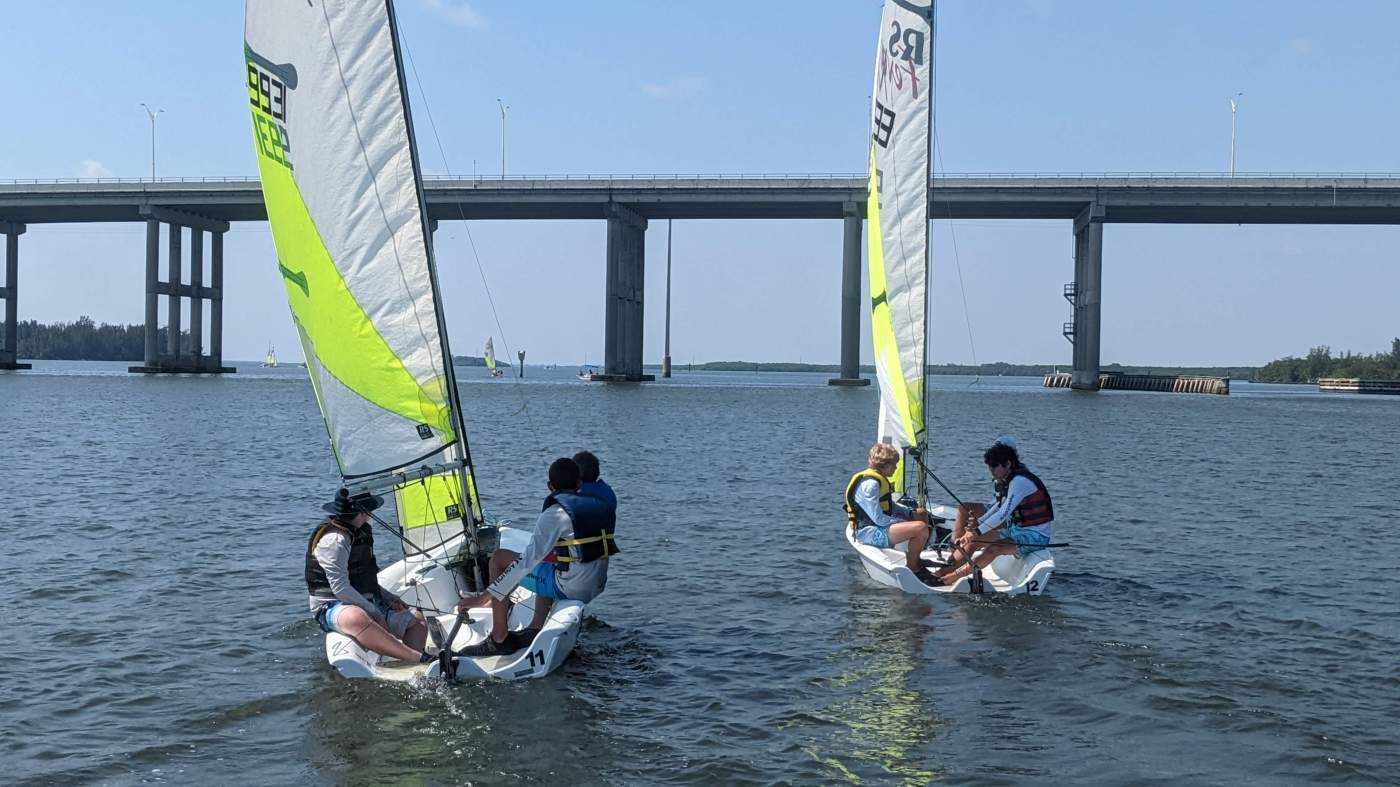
(897, 217)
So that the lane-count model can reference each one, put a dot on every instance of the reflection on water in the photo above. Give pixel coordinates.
(883, 716)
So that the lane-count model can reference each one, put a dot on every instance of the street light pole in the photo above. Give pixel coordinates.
(503, 107)
(152, 113)
(1234, 108)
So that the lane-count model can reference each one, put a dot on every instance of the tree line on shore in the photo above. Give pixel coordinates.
(1320, 363)
(85, 340)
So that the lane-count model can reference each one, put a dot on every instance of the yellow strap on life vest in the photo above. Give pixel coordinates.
(574, 542)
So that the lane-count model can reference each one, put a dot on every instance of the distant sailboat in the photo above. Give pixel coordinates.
(271, 360)
(490, 356)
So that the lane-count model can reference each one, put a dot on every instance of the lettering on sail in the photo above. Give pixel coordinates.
(898, 68)
(268, 86)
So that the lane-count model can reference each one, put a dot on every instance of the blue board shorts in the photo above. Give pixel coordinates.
(875, 536)
(398, 621)
(543, 581)
(1025, 536)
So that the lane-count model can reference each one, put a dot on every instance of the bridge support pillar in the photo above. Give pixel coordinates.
(850, 298)
(9, 334)
(1088, 282)
(622, 322)
(181, 357)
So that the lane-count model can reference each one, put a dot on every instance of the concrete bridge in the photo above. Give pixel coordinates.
(196, 207)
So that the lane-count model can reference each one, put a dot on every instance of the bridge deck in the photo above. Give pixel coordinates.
(1139, 199)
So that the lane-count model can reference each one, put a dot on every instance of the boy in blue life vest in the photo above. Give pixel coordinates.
(576, 530)
(880, 521)
(1018, 523)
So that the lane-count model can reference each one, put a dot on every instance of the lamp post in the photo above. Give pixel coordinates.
(152, 113)
(1234, 109)
(503, 107)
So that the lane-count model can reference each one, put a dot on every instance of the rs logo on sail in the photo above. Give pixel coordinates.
(268, 84)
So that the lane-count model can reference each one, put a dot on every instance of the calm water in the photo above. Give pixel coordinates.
(1226, 613)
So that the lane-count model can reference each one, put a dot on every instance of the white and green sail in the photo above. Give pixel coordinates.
(489, 354)
(897, 217)
(344, 198)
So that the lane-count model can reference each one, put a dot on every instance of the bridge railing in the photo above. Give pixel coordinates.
(834, 176)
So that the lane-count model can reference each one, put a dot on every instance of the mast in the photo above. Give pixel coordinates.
(921, 441)
(471, 517)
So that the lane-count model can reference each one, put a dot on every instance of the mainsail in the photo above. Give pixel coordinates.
(490, 356)
(898, 215)
(344, 198)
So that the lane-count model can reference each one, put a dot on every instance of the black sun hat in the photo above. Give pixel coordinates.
(346, 506)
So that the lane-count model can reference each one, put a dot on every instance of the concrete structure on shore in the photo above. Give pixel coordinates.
(627, 204)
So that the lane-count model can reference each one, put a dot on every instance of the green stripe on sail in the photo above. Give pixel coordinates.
(429, 501)
(434, 500)
(345, 340)
(908, 397)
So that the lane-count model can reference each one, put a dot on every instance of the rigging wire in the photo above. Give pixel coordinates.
(952, 233)
(471, 241)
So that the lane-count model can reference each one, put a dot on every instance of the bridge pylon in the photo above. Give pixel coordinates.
(9, 293)
(181, 356)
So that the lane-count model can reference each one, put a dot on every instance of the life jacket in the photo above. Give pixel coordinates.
(855, 515)
(364, 570)
(1036, 508)
(594, 520)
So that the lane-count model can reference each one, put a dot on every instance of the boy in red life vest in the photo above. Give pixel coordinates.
(1017, 524)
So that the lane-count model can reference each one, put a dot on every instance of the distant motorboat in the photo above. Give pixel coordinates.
(587, 373)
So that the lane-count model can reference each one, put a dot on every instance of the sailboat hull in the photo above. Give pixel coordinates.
(423, 583)
(1007, 575)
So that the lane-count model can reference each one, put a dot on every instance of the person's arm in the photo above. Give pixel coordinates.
(867, 496)
(549, 528)
(1019, 490)
(333, 553)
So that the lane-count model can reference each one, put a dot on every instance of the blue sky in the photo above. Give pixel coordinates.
(743, 87)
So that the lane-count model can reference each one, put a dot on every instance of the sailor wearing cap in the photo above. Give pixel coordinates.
(342, 578)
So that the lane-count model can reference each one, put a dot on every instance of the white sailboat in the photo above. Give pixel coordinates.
(897, 221)
(342, 185)
(490, 355)
(270, 362)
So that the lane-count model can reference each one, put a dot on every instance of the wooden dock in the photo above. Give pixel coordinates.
(1166, 383)
(1355, 385)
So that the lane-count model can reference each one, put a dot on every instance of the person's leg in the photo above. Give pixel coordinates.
(960, 525)
(500, 561)
(916, 533)
(542, 608)
(417, 634)
(500, 618)
(981, 560)
(356, 624)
